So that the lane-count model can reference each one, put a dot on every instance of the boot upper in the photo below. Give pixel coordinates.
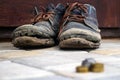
(80, 20)
(44, 25)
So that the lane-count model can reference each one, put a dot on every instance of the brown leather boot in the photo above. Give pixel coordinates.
(80, 27)
(43, 31)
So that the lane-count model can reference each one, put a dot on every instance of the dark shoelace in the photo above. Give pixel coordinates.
(43, 16)
(74, 17)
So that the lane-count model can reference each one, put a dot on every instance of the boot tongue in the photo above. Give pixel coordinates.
(50, 7)
(60, 8)
(76, 12)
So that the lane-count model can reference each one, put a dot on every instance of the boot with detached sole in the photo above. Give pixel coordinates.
(80, 27)
(43, 31)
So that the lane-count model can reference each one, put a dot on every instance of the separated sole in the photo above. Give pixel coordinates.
(77, 43)
(26, 41)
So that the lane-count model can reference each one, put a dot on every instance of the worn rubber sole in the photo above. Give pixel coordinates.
(31, 42)
(77, 43)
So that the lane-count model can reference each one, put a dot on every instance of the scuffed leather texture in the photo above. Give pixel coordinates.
(52, 25)
(90, 21)
(88, 29)
(91, 18)
(45, 28)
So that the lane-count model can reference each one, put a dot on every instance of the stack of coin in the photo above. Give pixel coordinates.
(97, 67)
(90, 64)
(82, 69)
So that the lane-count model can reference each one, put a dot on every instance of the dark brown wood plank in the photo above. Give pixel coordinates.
(18, 12)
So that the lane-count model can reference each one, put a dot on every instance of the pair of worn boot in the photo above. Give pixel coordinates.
(72, 26)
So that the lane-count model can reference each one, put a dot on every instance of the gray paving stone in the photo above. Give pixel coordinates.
(111, 61)
(13, 71)
(81, 55)
(74, 55)
(112, 65)
(68, 70)
(107, 59)
(43, 60)
(11, 54)
(7, 46)
(109, 78)
(54, 57)
(109, 51)
(9, 51)
(51, 58)
(117, 55)
(60, 62)
(109, 45)
(115, 64)
(108, 48)
(52, 78)
(1, 59)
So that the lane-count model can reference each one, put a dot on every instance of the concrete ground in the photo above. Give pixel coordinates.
(55, 64)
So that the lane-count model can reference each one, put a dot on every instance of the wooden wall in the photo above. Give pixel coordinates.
(17, 12)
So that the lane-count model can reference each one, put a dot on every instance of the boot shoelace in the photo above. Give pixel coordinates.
(74, 17)
(43, 16)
